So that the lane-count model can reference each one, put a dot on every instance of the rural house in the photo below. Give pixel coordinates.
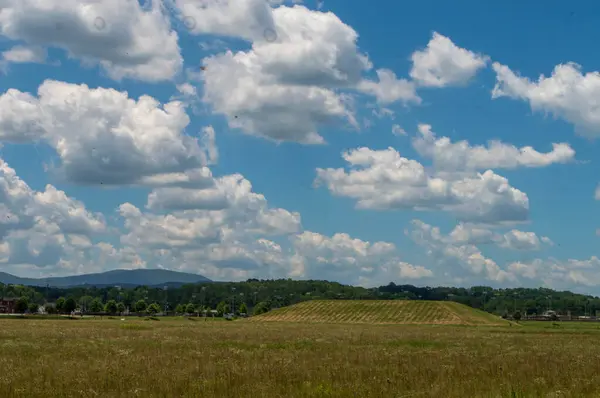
(7, 305)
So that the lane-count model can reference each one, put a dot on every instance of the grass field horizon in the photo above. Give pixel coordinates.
(381, 312)
(187, 358)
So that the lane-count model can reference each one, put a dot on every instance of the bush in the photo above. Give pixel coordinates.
(153, 309)
(21, 305)
(517, 316)
(33, 308)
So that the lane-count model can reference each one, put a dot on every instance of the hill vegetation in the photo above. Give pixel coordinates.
(264, 295)
(381, 312)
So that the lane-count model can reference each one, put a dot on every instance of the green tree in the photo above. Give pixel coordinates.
(33, 308)
(221, 308)
(140, 306)
(261, 308)
(70, 305)
(180, 309)
(153, 309)
(243, 309)
(96, 305)
(111, 307)
(120, 308)
(85, 302)
(50, 309)
(21, 305)
(190, 308)
(517, 316)
(60, 305)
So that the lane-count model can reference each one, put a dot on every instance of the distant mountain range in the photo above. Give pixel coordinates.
(120, 277)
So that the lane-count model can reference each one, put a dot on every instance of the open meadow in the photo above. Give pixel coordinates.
(198, 358)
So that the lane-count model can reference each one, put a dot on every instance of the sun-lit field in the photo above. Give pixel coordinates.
(185, 358)
(382, 312)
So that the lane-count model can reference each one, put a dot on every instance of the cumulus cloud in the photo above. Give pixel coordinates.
(43, 229)
(247, 19)
(449, 254)
(572, 274)
(229, 199)
(126, 39)
(461, 156)
(442, 63)
(209, 143)
(397, 130)
(299, 75)
(513, 239)
(459, 249)
(382, 179)
(23, 55)
(353, 259)
(229, 231)
(260, 106)
(567, 94)
(389, 88)
(519, 240)
(23, 207)
(101, 135)
(286, 86)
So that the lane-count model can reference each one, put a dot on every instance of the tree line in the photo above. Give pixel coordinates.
(257, 296)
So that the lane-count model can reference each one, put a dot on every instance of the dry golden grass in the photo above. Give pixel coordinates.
(184, 358)
(381, 312)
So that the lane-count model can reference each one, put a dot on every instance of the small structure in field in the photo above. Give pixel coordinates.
(7, 305)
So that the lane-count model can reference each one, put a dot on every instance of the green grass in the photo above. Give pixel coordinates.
(381, 312)
(179, 358)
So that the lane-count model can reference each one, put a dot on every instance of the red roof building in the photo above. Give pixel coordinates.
(7, 305)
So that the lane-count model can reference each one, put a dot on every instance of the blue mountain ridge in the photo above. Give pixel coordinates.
(120, 277)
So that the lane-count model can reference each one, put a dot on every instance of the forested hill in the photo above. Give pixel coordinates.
(276, 293)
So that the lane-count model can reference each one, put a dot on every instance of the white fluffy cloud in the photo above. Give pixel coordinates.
(299, 75)
(567, 94)
(101, 135)
(397, 130)
(43, 229)
(22, 55)
(220, 229)
(285, 87)
(389, 88)
(22, 207)
(513, 239)
(247, 19)
(260, 106)
(382, 179)
(461, 156)
(353, 259)
(126, 39)
(449, 254)
(569, 274)
(229, 200)
(227, 231)
(459, 249)
(442, 63)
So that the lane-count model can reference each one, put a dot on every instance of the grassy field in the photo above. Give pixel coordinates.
(382, 312)
(185, 358)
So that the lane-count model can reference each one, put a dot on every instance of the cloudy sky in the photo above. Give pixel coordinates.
(431, 144)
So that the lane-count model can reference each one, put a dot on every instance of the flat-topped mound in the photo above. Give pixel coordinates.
(381, 312)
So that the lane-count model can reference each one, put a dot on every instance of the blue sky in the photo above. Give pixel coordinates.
(432, 144)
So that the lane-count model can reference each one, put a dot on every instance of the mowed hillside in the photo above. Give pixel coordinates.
(381, 312)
